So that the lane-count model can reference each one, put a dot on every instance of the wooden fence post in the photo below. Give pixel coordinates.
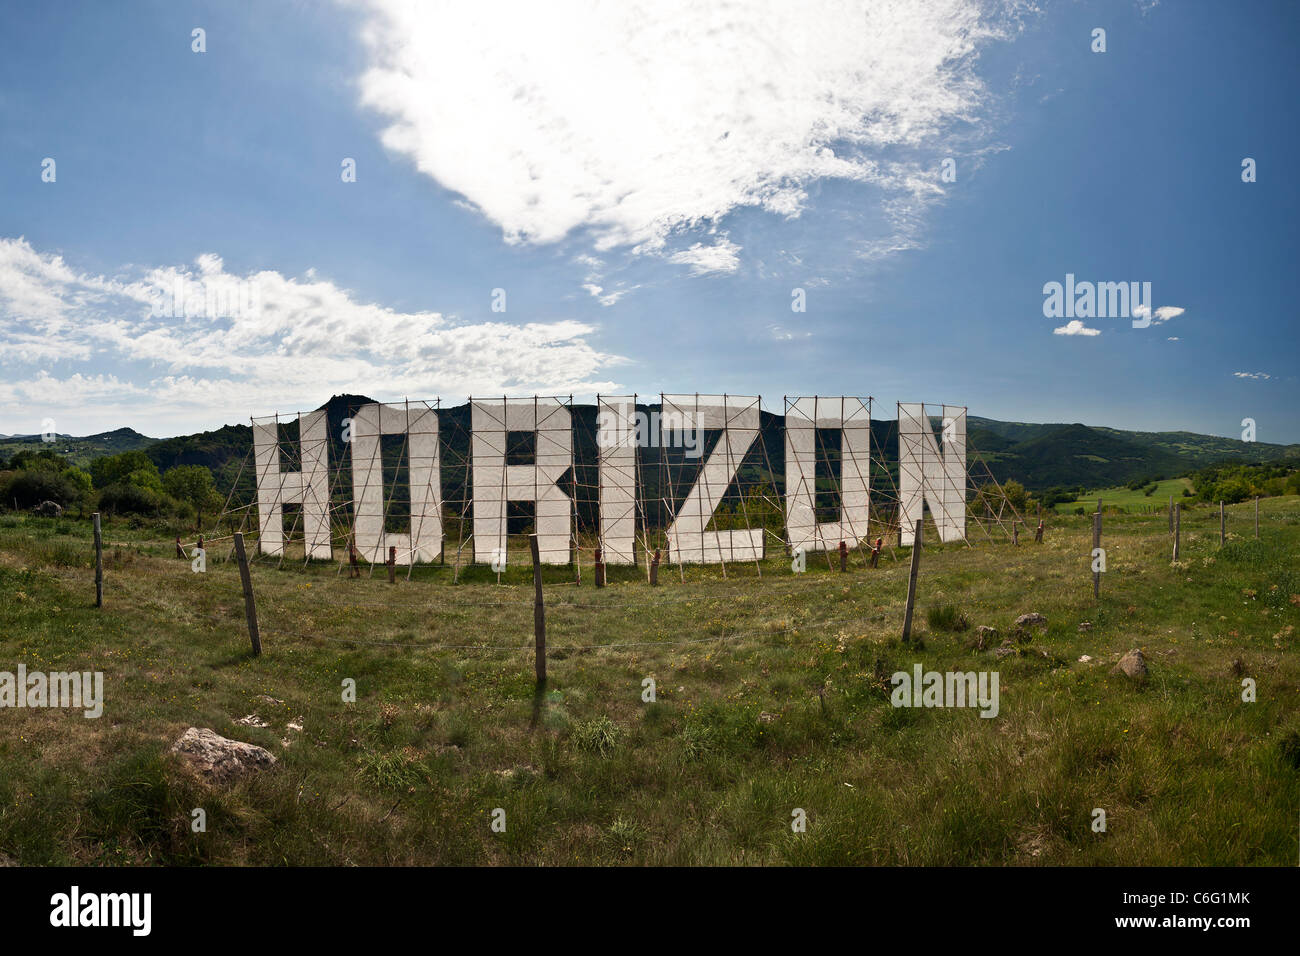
(875, 552)
(99, 563)
(654, 570)
(1038, 535)
(539, 613)
(250, 608)
(844, 556)
(911, 583)
(1178, 526)
(600, 568)
(1015, 531)
(392, 564)
(180, 551)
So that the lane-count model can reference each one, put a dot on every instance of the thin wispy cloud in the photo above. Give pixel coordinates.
(1257, 376)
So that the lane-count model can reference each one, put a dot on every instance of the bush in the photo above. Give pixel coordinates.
(947, 618)
(128, 499)
(29, 488)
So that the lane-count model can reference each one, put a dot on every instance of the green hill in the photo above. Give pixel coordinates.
(79, 451)
(1039, 456)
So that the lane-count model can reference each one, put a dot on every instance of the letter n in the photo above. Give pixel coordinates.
(928, 477)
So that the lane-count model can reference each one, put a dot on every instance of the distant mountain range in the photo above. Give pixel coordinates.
(79, 450)
(1043, 456)
(1037, 455)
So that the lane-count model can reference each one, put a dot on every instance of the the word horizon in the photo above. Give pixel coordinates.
(932, 473)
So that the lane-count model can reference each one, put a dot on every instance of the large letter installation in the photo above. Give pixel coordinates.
(496, 483)
(419, 425)
(617, 438)
(803, 416)
(309, 487)
(739, 419)
(927, 477)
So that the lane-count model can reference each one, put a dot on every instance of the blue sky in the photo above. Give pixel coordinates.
(648, 191)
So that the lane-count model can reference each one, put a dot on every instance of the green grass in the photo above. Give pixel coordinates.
(770, 695)
(1130, 500)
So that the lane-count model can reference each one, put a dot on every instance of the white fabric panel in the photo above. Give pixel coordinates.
(926, 477)
(370, 497)
(617, 439)
(309, 487)
(803, 416)
(495, 483)
(739, 419)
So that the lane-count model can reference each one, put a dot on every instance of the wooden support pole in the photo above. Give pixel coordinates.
(1038, 535)
(392, 564)
(844, 556)
(1178, 526)
(1096, 543)
(1015, 532)
(911, 583)
(539, 613)
(600, 568)
(250, 607)
(99, 563)
(1223, 527)
(654, 570)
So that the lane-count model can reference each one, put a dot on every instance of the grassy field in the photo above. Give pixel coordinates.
(1130, 500)
(772, 696)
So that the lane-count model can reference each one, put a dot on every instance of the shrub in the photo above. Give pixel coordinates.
(599, 735)
(129, 499)
(947, 618)
(30, 488)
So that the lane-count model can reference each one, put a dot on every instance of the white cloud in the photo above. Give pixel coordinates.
(1075, 327)
(287, 345)
(1172, 338)
(1163, 314)
(721, 257)
(1259, 376)
(641, 124)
